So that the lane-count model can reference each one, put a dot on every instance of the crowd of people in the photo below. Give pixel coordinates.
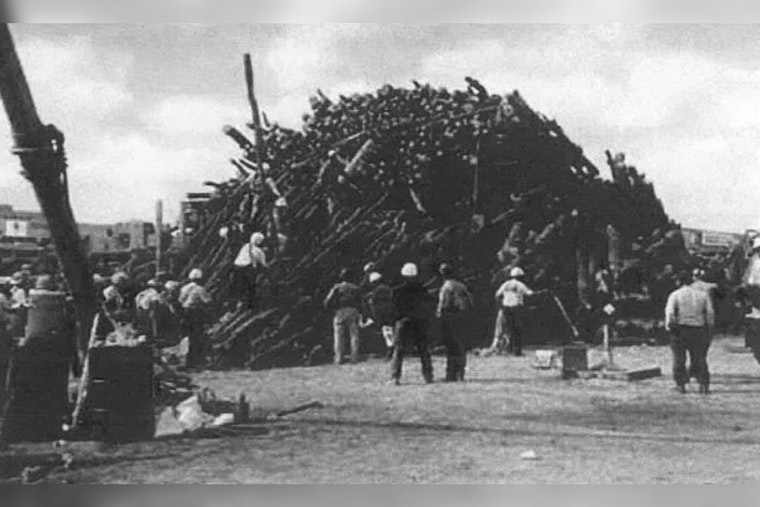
(402, 312)
(163, 309)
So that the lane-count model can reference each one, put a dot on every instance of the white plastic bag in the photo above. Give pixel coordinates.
(223, 420)
(190, 415)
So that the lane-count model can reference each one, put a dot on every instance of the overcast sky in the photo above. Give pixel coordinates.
(142, 107)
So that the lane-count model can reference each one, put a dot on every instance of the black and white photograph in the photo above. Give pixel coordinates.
(346, 253)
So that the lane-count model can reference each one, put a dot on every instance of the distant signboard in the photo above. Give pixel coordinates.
(17, 228)
(718, 239)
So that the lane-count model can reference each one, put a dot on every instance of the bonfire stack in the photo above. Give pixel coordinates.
(421, 174)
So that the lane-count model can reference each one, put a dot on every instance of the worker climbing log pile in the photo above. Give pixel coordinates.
(418, 174)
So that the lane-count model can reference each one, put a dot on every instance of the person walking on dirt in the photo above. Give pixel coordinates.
(195, 302)
(410, 300)
(379, 303)
(454, 305)
(345, 299)
(690, 318)
(511, 295)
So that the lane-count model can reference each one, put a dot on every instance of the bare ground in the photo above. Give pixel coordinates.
(582, 431)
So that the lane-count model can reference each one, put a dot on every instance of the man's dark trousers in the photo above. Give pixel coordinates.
(695, 341)
(452, 328)
(410, 332)
(513, 317)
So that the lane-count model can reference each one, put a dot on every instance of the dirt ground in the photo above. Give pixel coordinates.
(582, 431)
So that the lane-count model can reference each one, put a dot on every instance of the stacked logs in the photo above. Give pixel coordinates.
(421, 174)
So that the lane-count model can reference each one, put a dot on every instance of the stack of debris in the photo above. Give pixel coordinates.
(422, 174)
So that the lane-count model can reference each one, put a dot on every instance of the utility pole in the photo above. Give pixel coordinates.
(159, 234)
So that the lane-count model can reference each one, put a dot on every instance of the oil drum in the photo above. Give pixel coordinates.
(48, 317)
(36, 402)
(119, 404)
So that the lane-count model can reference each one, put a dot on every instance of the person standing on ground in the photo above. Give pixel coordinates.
(454, 305)
(144, 303)
(195, 303)
(345, 299)
(115, 300)
(18, 303)
(250, 261)
(511, 294)
(689, 317)
(166, 316)
(410, 300)
(380, 308)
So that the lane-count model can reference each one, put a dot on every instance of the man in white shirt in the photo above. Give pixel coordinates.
(195, 302)
(511, 295)
(250, 260)
(690, 317)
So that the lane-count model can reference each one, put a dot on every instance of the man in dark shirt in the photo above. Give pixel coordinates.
(345, 298)
(379, 304)
(410, 300)
(454, 305)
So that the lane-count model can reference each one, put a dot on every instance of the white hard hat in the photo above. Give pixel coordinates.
(224, 231)
(119, 277)
(409, 270)
(516, 272)
(756, 243)
(257, 238)
(195, 274)
(375, 276)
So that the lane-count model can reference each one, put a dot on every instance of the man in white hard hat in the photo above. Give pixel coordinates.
(379, 302)
(411, 301)
(195, 302)
(115, 300)
(511, 295)
(249, 262)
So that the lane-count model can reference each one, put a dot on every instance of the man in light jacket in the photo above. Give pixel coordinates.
(690, 318)
(511, 295)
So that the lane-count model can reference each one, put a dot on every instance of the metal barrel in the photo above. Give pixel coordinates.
(36, 403)
(120, 400)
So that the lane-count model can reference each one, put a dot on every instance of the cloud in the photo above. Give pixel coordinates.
(192, 115)
(76, 86)
(129, 172)
(74, 79)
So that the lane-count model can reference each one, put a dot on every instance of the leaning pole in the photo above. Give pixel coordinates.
(40, 148)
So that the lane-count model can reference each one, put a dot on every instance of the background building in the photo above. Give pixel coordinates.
(25, 237)
(707, 241)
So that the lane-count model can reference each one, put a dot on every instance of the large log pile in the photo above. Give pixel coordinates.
(421, 174)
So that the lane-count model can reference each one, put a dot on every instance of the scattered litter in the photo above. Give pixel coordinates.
(167, 424)
(190, 415)
(223, 420)
(300, 408)
(529, 455)
(545, 359)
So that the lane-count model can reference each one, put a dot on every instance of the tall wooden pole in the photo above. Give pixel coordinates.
(159, 235)
(260, 150)
(43, 159)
